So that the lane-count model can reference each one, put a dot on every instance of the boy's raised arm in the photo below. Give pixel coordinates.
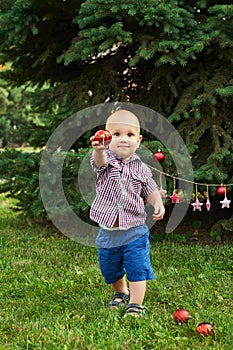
(99, 154)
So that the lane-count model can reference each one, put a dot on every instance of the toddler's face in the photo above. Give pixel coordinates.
(126, 136)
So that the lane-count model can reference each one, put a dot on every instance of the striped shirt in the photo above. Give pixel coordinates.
(121, 188)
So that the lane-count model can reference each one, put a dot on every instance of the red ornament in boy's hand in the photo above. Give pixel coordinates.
(103, 137)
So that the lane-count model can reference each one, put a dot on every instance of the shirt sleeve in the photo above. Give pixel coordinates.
(99, 170)
(149, 184)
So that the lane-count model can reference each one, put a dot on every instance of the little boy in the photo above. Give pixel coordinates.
(123, 184)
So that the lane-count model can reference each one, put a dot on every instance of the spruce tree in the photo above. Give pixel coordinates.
(175, 57)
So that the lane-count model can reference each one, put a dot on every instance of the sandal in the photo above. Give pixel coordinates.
(135, 310)
(124, 299)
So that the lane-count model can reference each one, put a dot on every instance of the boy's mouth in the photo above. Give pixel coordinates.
(123, 146)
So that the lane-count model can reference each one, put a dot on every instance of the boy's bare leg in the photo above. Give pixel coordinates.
(137, 292)
(120, 286)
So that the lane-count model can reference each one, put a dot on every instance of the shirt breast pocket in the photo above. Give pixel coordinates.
(114, 174)
(104, 179)
(138, 181)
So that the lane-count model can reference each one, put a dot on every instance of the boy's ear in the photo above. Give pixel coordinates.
(139, 140)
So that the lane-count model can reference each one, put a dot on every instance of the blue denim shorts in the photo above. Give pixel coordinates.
(132, 259)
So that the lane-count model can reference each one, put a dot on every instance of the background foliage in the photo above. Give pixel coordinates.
(174, 57)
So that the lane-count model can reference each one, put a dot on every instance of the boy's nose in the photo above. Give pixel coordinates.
(123, 139)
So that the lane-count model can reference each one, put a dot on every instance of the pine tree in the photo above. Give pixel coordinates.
(175, 57)
(16, 117)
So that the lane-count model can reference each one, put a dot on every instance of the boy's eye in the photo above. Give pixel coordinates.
(130, 134)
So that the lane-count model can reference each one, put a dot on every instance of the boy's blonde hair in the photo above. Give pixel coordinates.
(123, 116)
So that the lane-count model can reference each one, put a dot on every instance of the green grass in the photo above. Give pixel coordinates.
(52, 295)
(26, 149)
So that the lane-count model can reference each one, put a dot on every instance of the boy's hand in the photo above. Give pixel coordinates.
(101, 140)
(97, 146)
(156, 201)
(158, 213)
(99, 153)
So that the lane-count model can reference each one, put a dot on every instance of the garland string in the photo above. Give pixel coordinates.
(185, 180)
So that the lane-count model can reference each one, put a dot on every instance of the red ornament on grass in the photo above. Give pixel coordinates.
(205, 329)
(103, 136)
(159, 156)
(221, 191)
(181, 316)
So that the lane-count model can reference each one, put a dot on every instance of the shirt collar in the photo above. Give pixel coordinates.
(114, 160)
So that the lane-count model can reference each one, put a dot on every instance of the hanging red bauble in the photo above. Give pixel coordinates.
(159, 156)
(221, 190)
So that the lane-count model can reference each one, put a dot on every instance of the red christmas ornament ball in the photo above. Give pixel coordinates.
(103, 136)
(221, 190)
(181, 316)
(205, 329)
(159, 156)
